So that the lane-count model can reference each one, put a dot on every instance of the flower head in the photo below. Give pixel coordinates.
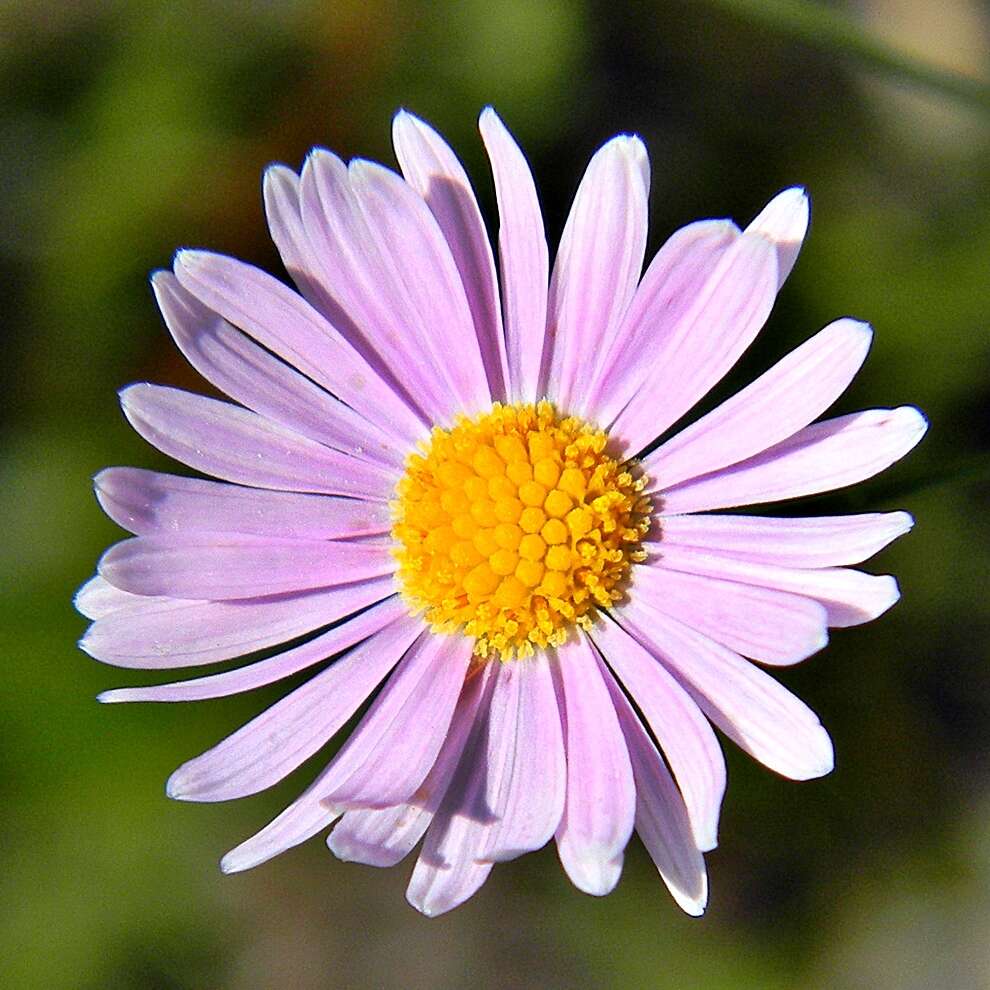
(432, 475)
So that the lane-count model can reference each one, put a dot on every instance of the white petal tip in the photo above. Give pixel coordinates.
(913, 420)
(405, 119)
(889, 597)
(128, 393)
(695, 907)
(594, 874)
(232, 863)
(190, 259)
(705, 835)
(277, 173)
(426, 907)
(818, 760)
(785, 218)
(901, 523)
(174, 787)
(489, 118)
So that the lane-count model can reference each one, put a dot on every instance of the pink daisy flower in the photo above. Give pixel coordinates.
(428, 473)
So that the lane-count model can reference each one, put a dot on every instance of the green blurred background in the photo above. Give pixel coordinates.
(128, 129)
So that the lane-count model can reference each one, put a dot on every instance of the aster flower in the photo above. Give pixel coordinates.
(432, 473)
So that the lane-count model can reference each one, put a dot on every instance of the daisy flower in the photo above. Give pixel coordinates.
(432, 475)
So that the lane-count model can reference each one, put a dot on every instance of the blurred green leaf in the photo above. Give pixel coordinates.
(832, 31)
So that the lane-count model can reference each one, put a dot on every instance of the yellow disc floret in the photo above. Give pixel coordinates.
(515, 526)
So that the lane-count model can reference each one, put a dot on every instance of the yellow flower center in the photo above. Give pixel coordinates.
(515, 526)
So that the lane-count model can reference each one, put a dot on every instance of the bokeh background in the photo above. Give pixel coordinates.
(128, 129)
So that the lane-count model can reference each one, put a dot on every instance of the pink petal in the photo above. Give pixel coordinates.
(149, 503)
(850, 597)
(362, 289)
(778, 404)
(315, 272)
(601, 798)
(674, 278)
(281, 192)
(271, 669)
(598, 265)
(238, 445)
(447, 871)
(661, 818)
(523, 257)
(821, 541)
(287, 325)
(432, 169)
(749, 706)
(389, 754)
(224, 567)
(768, 625)
(820, 458)
(300, 821)
(525, 780)
(405, 229)
(278, 740)
(435, 887)
(724, 317)
(257, 379)
(684, 734)
(159, 633)
(383, 836)
(385, 261)
(784, 220)
(97, 599)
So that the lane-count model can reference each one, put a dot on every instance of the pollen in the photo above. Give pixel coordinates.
(516, 526)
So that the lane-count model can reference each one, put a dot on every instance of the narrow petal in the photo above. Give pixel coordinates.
(309, 267)
(271, 669)
(675, 277)
(363, 290)
(820, 458)
(850, 597)
(221, 567)
(389, 754)
(281, 192)
(661, 817)
(598, 265)
(822, 541)
(300, 821)
(526, 777)
(97, 599)
(406, 231)
(384, 836)
(601, 797)
(259, 380)
(683, 732)
(282, 737)
(784, 220)
(523, 257)
(725, 316)
(238, 445)
(149, 503)
(762, 623)
(436, 888)
(778, 404)
(287, 325)
(385, 261)
(432, 169)
(749, 706)
(166, 633)
(447, 871)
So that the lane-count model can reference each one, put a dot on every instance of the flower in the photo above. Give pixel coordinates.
(428, 473)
